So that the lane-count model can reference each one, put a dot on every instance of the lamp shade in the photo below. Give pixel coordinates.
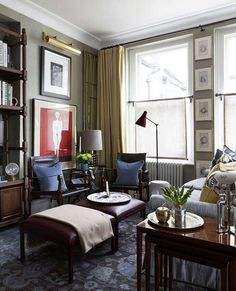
(142, 119)
(91, 140)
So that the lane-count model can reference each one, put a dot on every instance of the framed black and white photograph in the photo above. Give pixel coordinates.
(203, 109)
(55, 74)
(204, 140)
(203, 79)
(202, 168)
(203, 48)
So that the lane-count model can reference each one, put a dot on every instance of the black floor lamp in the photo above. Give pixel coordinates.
(142, 122)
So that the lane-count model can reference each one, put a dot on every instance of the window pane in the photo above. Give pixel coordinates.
(230, 64)
(171, 117)
(230, 121)
(162, 73)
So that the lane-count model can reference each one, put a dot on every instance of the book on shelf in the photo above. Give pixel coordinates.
(6, 93)
(3, 54)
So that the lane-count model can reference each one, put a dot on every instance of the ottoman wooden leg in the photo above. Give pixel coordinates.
(22, 245)
(70, 264)
(116, 234)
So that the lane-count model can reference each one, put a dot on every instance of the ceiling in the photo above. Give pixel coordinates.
(108, 22)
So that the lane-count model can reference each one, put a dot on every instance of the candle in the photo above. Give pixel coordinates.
(107, 188)
(80, 144)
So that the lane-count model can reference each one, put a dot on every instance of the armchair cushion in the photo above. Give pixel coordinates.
(48, 177)
(128, 173)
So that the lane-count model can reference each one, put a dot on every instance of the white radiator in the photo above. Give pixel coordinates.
(171, 172)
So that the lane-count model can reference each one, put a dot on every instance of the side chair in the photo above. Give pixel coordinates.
(130, 174)
(47, 183)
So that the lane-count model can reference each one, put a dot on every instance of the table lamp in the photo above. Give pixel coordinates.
(90, 141)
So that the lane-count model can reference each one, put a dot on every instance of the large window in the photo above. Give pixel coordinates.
(225, 76)
(160, 82)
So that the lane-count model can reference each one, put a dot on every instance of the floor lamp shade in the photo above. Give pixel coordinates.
(142, 119)
(91, 140)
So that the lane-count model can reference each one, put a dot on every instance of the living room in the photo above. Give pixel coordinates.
(169, 67)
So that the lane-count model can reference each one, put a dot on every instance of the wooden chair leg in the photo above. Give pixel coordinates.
(158, 267)
(148, 262)
(170, 272)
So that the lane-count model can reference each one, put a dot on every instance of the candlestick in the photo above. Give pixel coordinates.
(80, 144)
(107, 188)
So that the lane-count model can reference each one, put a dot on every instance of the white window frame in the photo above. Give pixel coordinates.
(130, 93)
(219, 120)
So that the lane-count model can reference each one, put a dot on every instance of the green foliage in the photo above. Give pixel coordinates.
(177, 195)
(84, 158)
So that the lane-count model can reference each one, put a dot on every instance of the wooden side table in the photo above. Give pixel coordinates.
(203, 245)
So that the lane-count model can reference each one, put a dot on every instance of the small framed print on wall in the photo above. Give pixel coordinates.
(202, 168)
(203, 109)
(203, 48)
(55, 74)
(203, 79)
(204, 140)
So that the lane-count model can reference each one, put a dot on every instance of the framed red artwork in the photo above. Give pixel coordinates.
(55, 131)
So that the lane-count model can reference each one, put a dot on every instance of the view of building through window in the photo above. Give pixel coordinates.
(225, 107)
(160, 82)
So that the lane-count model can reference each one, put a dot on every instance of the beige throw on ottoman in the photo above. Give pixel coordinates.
(92, 226)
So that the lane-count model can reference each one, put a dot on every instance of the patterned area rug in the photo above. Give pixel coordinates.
(45, 267)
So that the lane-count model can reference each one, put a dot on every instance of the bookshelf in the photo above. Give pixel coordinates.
(13, 115)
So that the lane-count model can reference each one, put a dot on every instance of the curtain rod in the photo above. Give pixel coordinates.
(168, 33)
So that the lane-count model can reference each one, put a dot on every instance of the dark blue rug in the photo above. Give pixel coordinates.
(45, 267)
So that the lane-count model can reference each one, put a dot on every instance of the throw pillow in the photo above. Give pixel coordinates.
(47, 176)
(208, 194)
(127, 173)
(216, 158)
(231, 154)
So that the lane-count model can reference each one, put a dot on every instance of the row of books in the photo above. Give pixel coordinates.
(6, 93)
(4, 54)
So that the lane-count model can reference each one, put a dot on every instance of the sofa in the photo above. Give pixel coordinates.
(186, 271)
(193, 204)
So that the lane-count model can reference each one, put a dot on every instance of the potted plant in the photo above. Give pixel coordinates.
(84, 159)
(178, 197)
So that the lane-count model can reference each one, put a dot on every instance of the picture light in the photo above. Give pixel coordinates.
(53, 40)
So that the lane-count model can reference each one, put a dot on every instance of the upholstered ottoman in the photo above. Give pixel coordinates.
(57, 232)
(118, 211)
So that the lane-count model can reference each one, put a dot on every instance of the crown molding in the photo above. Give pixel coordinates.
(32, 10)
(171, 25)
(39, 14)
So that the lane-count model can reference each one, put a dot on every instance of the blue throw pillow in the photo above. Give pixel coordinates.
(225, 156)
(216, 158)
(230, 153)
(127, 173)
(47, 176)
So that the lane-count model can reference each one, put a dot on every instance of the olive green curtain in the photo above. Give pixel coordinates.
(109, 91)
(90, 91)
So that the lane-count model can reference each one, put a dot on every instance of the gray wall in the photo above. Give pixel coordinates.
(34, 34)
